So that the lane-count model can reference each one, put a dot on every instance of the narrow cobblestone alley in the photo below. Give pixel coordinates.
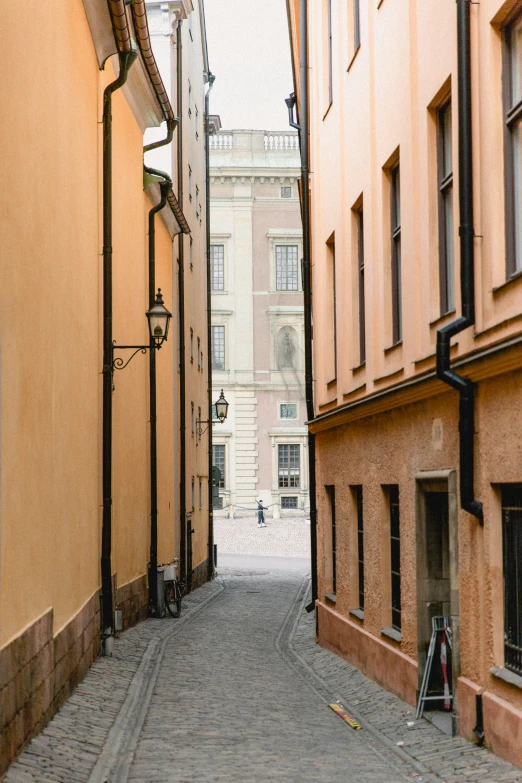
(237, 690)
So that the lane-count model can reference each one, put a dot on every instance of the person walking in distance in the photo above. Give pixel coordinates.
(260, 515)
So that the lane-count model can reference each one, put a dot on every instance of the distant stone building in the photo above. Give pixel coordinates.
(257, 321)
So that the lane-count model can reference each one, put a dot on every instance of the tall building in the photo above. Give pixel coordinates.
(179, 44)
(90, 441)
(416, 252)
(257, 338)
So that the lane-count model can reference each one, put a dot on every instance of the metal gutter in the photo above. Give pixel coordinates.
(120, 26)
(210, 569)
(126, 59)
(307, 287)
(464, 386)
(181, 320)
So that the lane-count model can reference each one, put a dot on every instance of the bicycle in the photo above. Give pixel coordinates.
(174, 588)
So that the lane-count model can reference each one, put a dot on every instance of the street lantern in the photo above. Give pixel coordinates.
(221, 408)
(159, 320)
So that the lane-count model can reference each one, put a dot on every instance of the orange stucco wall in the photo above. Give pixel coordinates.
(51, 328)
(384, 104)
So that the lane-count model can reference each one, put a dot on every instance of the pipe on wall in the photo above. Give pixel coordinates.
(307, 285)
(464, 386)
(210, 569)
(181, 319)
(153, 556)
(126, 60)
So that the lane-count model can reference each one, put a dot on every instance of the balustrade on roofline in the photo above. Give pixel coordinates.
(274, 141)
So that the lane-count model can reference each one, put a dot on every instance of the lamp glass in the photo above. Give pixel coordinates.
(221, 408)
(159, 320)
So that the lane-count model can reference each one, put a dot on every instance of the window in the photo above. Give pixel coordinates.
(218, 460)
(358, 496)
(192, 416)
(189, 99)
(330, 490)
(190, 183)
(396, 254)
(356, 24)
(218, 504)
(199, 354)
(445, 168)
(217, 347)
(193, 493)
(331, 312)
(286, 192)
(191, 344)
(200, 492)
(198, 205)
(360, 263)
(395, 548)
(197, 123)
(288, 410)
(288, 463)
(286, 268)
(329, 51)
(288, 502)
(217, 267)
(513, 146)
(191, 253)
(512, 557)
(199, 419)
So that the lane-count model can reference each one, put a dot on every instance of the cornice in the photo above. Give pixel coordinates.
(479, 366)
(97, 12)
(141, 97)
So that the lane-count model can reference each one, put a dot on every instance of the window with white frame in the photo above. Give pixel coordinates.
(288, 465)
(288, 410)
(217, 267)
(217, 347)
(218, 461)
(286, 267)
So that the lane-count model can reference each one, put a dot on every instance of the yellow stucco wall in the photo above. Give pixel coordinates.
(51, 328)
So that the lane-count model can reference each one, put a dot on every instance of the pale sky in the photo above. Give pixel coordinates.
(249, 52)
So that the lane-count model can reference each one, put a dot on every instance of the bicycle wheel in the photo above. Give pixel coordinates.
(173, 599)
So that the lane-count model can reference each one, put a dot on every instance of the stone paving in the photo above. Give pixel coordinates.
(237, 690)
(285, 537)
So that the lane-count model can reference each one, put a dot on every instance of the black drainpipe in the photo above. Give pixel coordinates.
(126, 61)
(165, 187)
(464, 386)
(211, 565)
(307, 288)
(181, 318)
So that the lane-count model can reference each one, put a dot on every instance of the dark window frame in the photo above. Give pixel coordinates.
(356, 25)
(358, 496)
(512, 575)
(396, 254)
(445, 198)
(395, 555)
(330, 491)
(331, 258)
(512, 119)
(360, 276)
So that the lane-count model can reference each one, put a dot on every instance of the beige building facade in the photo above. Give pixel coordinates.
(257, 331)
(82, 258)
(417, 309)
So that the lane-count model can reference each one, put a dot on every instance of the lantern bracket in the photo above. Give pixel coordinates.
(117, 361)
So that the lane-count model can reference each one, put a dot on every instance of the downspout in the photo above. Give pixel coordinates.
(464, 386)
(181, 319)
(165, 186)
(210, 572)
(126, 60)
(307, 287)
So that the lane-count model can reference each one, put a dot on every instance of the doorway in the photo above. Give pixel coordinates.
(437, 586)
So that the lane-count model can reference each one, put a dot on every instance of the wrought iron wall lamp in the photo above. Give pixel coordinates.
(221, 407)
(159, 321)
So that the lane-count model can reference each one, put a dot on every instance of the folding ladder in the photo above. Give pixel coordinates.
(439, 625)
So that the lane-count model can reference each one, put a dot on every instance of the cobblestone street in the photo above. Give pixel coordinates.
(237, 690)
